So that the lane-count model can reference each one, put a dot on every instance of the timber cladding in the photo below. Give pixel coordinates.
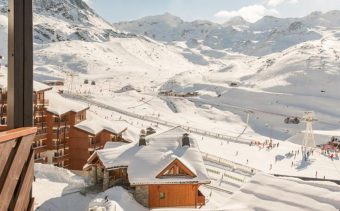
(16, 169)
(177, 195)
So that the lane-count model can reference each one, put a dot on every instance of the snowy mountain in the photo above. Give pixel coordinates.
(65, 20)
(268, 35)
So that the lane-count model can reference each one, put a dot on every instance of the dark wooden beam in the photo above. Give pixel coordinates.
(20, 64)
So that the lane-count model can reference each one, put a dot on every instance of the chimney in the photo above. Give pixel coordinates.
(142, 141)
(185, 140)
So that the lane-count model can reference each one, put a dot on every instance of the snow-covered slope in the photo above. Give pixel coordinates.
(265, 192)
(268, 35)
(301, 78)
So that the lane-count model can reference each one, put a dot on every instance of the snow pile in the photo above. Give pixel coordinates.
(265, 192)
(115, 199)
(57, 189)
(59, 175)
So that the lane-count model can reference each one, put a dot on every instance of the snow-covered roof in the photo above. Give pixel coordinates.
(94, 125)
(59, 105)
(266, 192)
(146, 162)
(37, 86)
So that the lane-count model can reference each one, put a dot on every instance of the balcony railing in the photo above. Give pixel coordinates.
(58, 158)
(42, 102)
(40, 159)
(40, 146)
(16, 169)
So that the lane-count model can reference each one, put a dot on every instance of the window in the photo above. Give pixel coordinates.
(161, 195)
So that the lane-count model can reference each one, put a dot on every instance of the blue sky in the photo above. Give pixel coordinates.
(214, 10)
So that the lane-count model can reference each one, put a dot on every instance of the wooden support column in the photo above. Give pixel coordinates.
(20, 64)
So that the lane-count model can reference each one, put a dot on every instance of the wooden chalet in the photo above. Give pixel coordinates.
(164, 170)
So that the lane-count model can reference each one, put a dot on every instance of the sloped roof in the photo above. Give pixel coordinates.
(59, 105)
(146, 162)
(95, 125)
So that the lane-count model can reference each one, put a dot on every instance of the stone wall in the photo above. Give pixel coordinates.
(142, 195)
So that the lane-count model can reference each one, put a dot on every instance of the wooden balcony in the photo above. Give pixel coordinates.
(40, 160)
(60, 145)
(42, 102)
(60, 158)
(16, 169)
(40, 147)
(42, 131)
(62, 125)
(61, 135)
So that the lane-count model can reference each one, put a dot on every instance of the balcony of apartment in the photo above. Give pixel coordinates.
(60, 125)
(60, 145)
(40, 159)
(41, 102)
(93, 146)
(60, 156)
(63, 136)
(41, 132)
(40, 146)
(39, 114)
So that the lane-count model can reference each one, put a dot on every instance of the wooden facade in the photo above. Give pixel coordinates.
(176, 195)
(83, 144)
(40, 121)
(60, 133)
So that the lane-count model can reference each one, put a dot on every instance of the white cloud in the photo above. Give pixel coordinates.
(275, 3)
(251, 13)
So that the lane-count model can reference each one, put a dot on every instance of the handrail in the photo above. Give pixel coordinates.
(16, 133)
